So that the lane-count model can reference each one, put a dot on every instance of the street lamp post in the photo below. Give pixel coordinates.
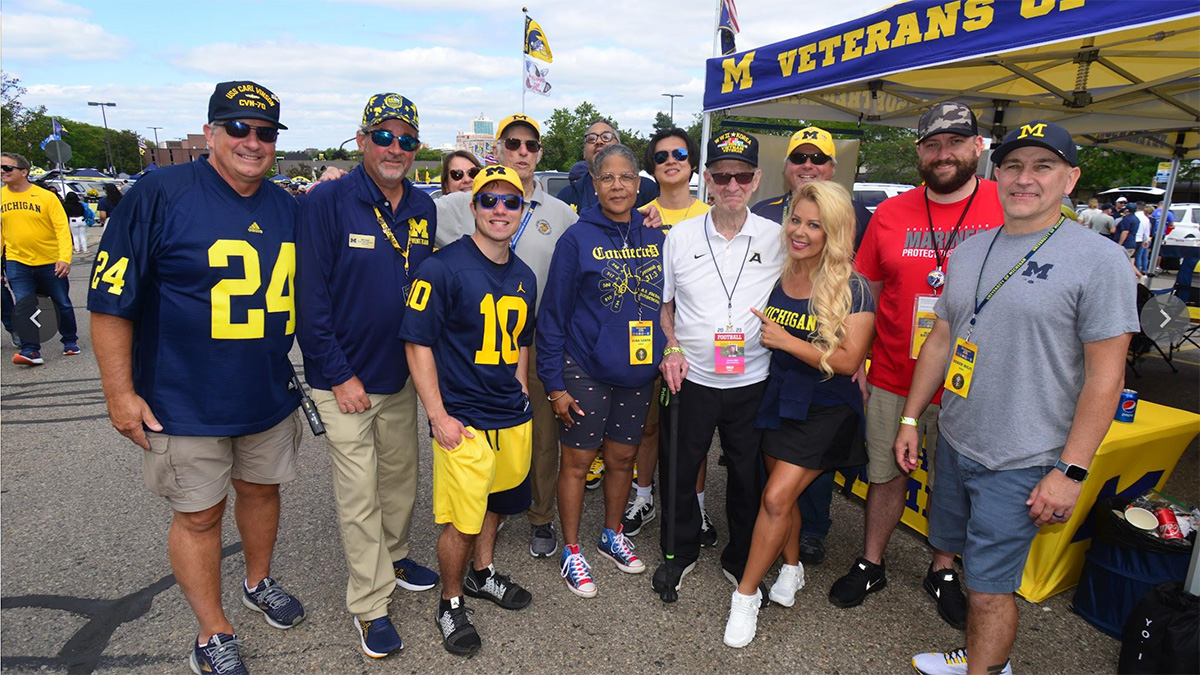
(673, 97)
(107, 144)
(155, 142)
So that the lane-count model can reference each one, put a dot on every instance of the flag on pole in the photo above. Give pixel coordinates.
(57, 129)
(535, 77)
(536, 44)
(728, 27)
(141, 147)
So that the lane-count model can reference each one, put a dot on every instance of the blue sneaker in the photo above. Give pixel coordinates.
(269, 599)
(28, 357)
(70, 348)
(577, 573)
(219, 655)
(378, 637)
(617, 548)
(413, 576)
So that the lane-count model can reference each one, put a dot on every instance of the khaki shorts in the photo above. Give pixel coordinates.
(193, 473)
(883, 421)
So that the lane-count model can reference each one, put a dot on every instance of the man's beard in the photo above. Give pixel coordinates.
(964, 169)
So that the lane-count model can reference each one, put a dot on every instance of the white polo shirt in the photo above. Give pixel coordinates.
(691, 279)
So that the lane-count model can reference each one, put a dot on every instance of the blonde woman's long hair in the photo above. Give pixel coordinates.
(831, 298)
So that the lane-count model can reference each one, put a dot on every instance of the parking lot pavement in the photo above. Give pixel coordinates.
(87, 586)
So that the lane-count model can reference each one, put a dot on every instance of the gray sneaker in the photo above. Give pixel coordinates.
(543, 542)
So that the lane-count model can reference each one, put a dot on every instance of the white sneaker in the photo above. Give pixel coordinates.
(743, 619)
(790, 580)
(948, 663)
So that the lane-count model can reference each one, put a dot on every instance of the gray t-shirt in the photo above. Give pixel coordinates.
(1103, 224)
(1029, 367)
(551, 217)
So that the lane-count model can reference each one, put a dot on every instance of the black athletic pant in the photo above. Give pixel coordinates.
(703, 410)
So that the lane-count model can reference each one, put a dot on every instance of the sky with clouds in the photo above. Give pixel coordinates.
(159, 60)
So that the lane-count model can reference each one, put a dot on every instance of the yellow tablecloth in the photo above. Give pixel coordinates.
(1133, 458)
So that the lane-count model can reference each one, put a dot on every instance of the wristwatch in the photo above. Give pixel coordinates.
(1073, 471)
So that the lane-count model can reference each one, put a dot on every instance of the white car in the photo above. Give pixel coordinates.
(1187, 222)
(871, 194)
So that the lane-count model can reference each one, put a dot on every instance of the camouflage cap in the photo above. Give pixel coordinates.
(950, 117)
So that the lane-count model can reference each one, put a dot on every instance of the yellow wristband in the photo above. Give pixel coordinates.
(672, 350)
(910, 421)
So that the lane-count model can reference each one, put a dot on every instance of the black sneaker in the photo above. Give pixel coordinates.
(945, 590)
(219, 655)
(708, 533)
(498, 588)
(812, 550)
(458, 633)
(864, 577)
(636, 516)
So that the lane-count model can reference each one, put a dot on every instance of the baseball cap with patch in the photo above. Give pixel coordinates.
(813, 136)
(733, 145)
(389, 106)
(950, 117)
(519, 119)
(497, 172)
(1040, 134)
(243, 99)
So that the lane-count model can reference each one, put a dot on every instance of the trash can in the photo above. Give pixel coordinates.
(1122, 565)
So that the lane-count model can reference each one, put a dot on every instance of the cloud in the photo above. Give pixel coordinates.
(56, 34)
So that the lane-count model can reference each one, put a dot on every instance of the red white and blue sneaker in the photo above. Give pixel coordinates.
(269, 599)
(219, 656)
(577, 573)
(616, 547)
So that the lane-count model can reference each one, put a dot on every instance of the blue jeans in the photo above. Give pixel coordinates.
(6, 308)
(1143, 258)
(814, 507)
(30, 279)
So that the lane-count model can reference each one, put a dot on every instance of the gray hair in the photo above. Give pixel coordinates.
(609, 151)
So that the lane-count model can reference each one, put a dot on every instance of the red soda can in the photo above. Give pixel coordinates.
(1168, 525)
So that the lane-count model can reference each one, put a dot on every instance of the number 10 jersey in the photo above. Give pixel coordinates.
(206, 276)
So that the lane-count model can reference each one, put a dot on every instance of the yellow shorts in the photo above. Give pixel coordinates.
(464, 476)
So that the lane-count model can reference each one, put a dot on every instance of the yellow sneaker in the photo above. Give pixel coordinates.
(595, 474)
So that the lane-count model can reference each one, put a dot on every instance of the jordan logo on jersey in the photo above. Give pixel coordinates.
(520, 286)
(254, 228)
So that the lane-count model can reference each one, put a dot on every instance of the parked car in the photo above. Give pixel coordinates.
(551, 181)
(872, 194)
(1187, 222)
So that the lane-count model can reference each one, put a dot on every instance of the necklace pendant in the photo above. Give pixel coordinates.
(936, 278)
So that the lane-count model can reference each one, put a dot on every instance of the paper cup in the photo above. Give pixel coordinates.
(1141, 518)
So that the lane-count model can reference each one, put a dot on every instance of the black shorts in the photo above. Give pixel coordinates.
(831, 438)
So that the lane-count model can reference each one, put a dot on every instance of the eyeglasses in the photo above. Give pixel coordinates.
(742, 178)
(817, 158)
(238, 129)
(680, 155)
(383, 138)
(457, 174)
(606, 136)
(9, 167)
(608, 179)
(488, 200)
(514, 144)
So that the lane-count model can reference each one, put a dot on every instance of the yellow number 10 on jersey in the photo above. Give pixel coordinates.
(282, 279)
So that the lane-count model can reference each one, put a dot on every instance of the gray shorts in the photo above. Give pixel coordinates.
(615, 413)
(981, 515)
(193, 473)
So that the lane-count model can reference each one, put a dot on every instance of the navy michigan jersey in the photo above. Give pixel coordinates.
(206, 276)
(475, 315)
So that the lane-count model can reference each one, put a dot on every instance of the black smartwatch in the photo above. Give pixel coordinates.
(1073, 471)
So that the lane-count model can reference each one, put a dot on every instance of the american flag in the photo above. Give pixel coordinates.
(728, 26)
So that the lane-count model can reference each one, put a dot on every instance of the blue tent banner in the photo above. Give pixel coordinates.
(916, 34)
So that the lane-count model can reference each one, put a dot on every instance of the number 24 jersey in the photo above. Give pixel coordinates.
(206, 275)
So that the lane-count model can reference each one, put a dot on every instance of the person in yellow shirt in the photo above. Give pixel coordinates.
(36, 241)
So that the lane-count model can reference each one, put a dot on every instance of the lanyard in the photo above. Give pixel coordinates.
(728, 292)
(979, 304)
(387, 232)
(938, 254)
(637, 286)
(512, 246)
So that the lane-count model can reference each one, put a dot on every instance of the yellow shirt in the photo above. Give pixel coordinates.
(33, 227)
(672, 217)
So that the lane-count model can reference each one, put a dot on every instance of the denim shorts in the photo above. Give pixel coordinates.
(981, 515)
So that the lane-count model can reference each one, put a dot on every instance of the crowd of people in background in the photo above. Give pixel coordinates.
(547, 335)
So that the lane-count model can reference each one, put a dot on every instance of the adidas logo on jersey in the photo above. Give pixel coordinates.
(254, 228)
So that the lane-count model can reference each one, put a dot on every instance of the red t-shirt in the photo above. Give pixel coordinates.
(897, 250)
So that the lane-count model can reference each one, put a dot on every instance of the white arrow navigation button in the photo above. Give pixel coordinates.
(1166, 317)
(33, 319)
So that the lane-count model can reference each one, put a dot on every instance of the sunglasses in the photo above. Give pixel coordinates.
(383, 138)
(817, 158)
(9, 167)
(457, 174)
(606, 136)
(238, 129)
(488, 200)
(514, 144)
(742, 178)
(680, 155)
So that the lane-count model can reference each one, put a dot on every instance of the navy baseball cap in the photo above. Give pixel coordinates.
(244, 100)
(733, 145)
(1040, 134)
